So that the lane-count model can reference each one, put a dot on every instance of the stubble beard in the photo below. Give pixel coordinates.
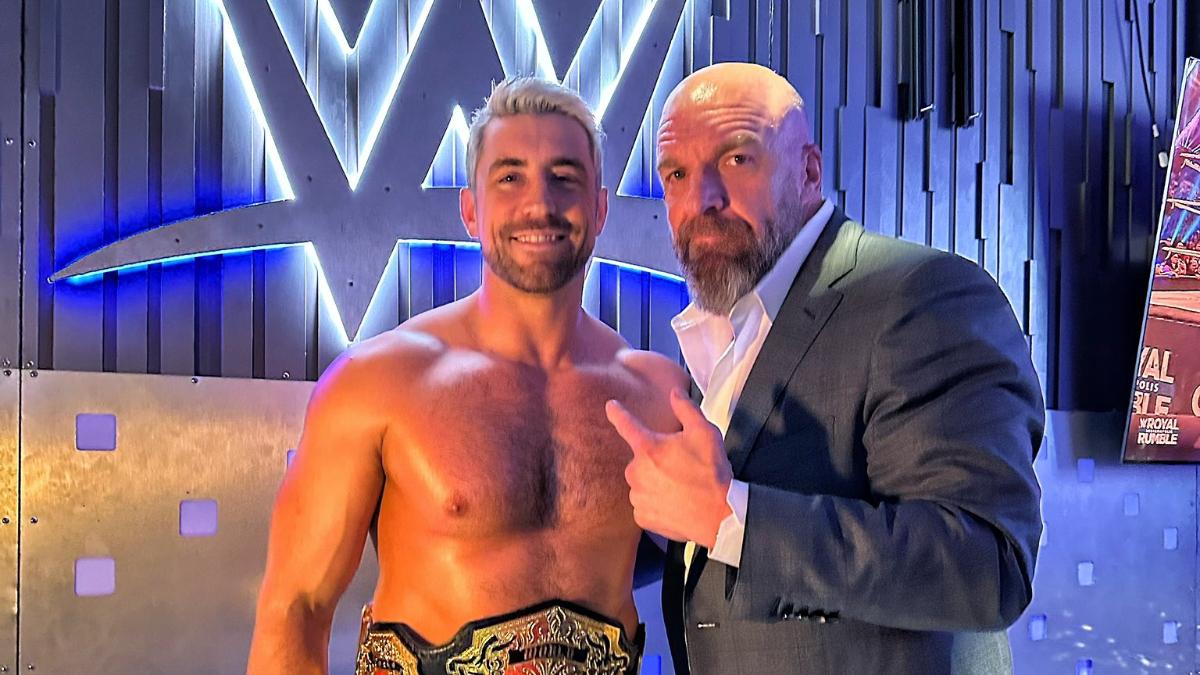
(543, 276)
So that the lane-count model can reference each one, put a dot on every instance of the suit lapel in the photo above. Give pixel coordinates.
(808, 305)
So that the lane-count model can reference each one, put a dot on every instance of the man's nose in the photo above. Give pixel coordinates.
(539, 200)
(711, 194)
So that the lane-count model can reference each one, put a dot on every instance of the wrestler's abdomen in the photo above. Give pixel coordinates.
(505, 488)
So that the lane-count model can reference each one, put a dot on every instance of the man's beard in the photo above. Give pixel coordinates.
(542, 276)
(719, 274)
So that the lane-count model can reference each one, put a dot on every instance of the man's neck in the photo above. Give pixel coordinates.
(534, 328)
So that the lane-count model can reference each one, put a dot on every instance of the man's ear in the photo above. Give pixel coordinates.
(601, 210)
(466, 211)
(811, 171)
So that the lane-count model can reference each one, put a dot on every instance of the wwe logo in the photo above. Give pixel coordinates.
(386, 104)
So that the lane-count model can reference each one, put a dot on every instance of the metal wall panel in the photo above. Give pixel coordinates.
(9, 515)
(1115, 588)
(181, 604)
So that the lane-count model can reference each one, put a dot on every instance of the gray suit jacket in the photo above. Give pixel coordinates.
(887, 431)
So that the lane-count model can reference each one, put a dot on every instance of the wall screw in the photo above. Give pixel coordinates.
(4, 520)
(33, 520)
(33, 373)
(195, 380)
(287, 375)
(6, 363)
(32, 143)
(29, 364)
(8, 141)
(7, 372)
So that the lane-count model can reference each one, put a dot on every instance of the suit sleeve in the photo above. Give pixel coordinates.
(952, 420)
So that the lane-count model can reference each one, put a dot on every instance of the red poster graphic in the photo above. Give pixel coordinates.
(1164, 424)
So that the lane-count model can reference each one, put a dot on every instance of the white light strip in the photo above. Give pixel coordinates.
(239, 63)
(327, 297)
(526, 12)
(373, 135)
(626, 54)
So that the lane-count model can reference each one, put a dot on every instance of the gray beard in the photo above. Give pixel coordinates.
(716, 281)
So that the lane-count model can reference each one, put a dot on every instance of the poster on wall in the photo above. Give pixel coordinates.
(1164, 420)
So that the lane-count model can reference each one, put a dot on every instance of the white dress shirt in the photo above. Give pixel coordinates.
(720, 350)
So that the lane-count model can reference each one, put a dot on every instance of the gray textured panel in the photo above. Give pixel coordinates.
(79, 181)
(1137, 584)
(182, 605)
(36, 299)
(10, 181)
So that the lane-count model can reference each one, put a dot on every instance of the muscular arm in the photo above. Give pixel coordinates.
(320, 522)
(953, 418)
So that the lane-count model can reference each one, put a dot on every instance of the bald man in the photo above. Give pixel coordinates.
(855, 492)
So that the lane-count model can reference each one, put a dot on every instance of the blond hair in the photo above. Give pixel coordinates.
(532, 96)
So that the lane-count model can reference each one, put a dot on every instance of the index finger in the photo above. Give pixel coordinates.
(629, 427)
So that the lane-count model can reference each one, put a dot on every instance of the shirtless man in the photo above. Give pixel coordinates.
(476, 434)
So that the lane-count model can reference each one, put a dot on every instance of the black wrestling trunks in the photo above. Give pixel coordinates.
(551, 638)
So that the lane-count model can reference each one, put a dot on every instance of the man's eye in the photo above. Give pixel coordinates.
(508, 178)
(739, 159)
(677, 174)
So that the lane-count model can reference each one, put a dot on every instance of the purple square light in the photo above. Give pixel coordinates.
(291, 454)
(95, 577)
(95, 432)
(197, 518)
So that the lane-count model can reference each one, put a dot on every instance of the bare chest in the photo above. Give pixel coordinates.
(504, 450)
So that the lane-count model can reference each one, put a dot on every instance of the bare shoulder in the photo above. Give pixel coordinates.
(363, 373)
(654, 369)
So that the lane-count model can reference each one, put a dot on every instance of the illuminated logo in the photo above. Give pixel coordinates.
(360, 131)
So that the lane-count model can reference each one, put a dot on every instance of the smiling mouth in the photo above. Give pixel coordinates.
(538, 238)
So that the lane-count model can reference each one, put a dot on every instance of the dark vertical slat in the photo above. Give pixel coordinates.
(79, 185)
(965, 191)
(828, 55)
(630, 306)
(37, 210)
(210, 72)
(237, 311)
(284, 320)
(420, 279)
(993, 146)
(888, 66)
(664, 304)
(403, 282)
(913, 206)
(851, 130)
(443, 274)
(730, 34)
(607, 281)
(881, 188)
(243, 160)
(468, 270)
(939, 158)
(133, 177)
(11, 142)
(178, 290)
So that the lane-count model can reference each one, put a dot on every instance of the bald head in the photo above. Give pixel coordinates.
(742, 85)
(741, 176)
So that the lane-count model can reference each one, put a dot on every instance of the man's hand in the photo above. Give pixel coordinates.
(678, 481)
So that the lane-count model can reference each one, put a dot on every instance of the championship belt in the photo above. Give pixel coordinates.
(551, 638)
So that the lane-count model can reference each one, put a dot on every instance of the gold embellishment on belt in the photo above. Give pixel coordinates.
(552, 641)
